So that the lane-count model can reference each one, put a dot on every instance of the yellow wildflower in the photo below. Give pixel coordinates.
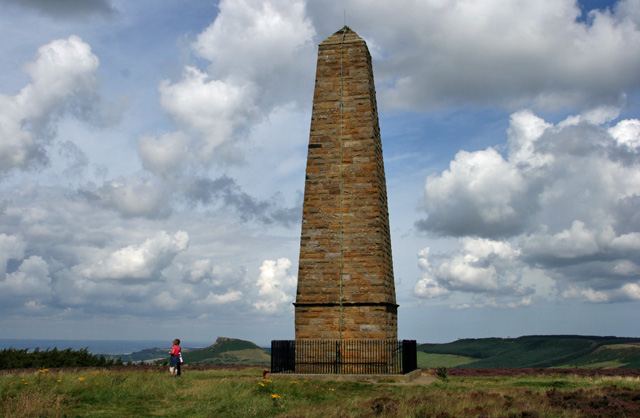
(81, 379)
(59, 381)
(275, 396)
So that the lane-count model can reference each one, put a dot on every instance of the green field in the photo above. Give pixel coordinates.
(610, 357)
(432, 361)
(133, 392)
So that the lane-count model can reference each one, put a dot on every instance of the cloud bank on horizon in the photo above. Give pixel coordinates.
(152, 160)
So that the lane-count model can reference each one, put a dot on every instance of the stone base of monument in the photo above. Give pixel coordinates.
(344, 357)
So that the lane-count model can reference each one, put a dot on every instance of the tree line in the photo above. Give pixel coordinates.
(11, 358)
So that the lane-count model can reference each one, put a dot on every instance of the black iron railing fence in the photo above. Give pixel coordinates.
(343, 356)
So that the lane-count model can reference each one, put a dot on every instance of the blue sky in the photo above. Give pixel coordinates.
(152, 160)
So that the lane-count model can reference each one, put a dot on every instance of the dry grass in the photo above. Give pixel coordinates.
(33, 405)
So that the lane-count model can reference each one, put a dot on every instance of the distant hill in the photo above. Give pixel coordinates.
(534, 351)
(228, 351)
(225, 351)
(148, 355)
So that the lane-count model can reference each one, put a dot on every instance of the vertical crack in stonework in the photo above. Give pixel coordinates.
(345, 277)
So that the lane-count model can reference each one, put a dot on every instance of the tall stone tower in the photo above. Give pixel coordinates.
(345, 279)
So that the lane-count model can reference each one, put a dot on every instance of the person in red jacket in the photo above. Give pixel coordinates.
(175, 357)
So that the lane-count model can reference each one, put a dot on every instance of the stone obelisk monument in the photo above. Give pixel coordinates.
(345, 281)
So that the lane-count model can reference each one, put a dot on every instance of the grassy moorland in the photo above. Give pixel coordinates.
(241, 392)
(538, 351)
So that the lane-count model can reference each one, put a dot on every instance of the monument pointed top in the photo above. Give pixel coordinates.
(344, 35)
(345, 29)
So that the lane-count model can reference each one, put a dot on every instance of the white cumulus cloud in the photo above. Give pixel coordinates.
(276, 287)
(213, 109)
(220, 299)
(627, 132)
(164, 155)
(482, 266)
(562, 198)
(143, 262)
(31, 279)
(435, 53)
(63, 68)
(480, 191)
(255, 49)
(264, 41)
(11, 247)
(135, 196)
